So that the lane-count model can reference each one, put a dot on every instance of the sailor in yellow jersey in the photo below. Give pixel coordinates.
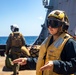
(57, 55)
(14, 46)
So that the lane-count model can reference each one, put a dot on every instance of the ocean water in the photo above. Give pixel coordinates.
(28, 39)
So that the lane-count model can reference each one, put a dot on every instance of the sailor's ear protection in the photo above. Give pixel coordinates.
(66, 22)
(65, 26)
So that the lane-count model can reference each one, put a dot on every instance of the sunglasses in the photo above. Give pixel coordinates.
(54, 23)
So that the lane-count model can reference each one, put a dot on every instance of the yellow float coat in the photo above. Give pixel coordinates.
(52, 52)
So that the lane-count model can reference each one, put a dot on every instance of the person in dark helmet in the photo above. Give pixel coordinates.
(14, 46)
(57, 55)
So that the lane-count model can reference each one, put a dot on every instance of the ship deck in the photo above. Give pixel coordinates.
(6, 71)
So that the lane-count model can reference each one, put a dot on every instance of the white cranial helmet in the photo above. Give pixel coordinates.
(13, 27)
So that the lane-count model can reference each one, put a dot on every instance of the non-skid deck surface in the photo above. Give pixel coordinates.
(6, 71)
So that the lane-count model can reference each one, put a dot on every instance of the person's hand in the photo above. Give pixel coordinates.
(29, 48)
(21, 61)
(48, 65)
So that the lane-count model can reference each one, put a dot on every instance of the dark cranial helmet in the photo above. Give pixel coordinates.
(58, 18)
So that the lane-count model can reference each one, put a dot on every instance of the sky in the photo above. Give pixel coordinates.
(29, 15)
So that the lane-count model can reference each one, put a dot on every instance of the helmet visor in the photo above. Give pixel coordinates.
(54, 23)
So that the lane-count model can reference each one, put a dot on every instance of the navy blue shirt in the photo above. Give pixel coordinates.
(67, 64)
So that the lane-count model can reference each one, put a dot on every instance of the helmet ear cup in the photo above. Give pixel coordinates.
(65, 26)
